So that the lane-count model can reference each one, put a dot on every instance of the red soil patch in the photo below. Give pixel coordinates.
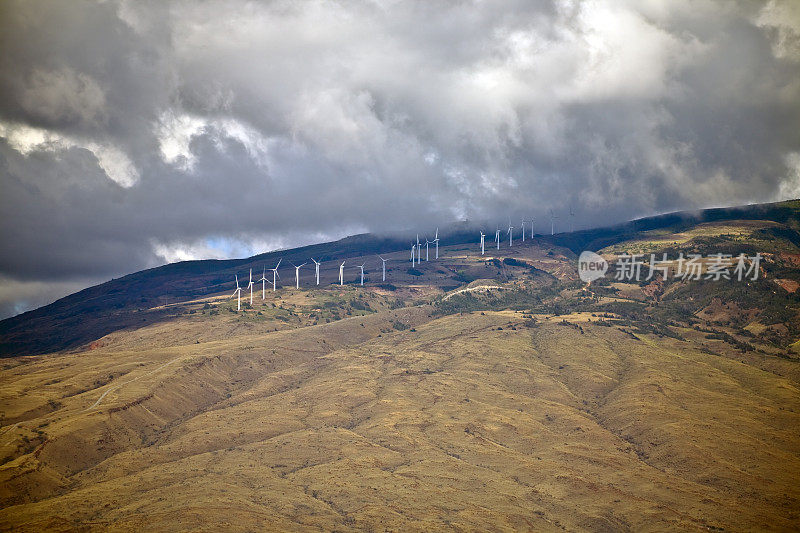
(789, 284)
(794, 259)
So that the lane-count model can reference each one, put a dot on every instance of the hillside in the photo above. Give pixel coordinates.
(143, 298)
(471, 393)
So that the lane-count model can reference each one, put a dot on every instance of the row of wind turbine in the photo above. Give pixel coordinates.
(510, 231)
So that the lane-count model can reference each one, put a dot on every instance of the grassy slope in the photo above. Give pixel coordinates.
(470, 420)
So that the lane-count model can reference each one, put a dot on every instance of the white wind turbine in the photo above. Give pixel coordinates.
(553, 217)
(316, 267)
(275, 275)
(419, 250)
(238, 294)
(383, 275)
(522, 225)
(427, 242)
(510, 233)
(497, 238)
(413, 253)
(250, 286)
(532, 228)
(361, 266)
(571, 219)
(297, 274)
(341, 274)
(482, 240)
(263, 281)
(436, 241)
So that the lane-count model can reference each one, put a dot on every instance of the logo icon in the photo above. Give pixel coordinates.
(591, 266)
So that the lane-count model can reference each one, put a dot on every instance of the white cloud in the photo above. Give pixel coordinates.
(790, 186)
(784, 18)
(175, 133)
(114, 162)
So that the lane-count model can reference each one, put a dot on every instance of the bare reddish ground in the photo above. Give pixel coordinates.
(654, 289)
(789, 284)
(794, 259)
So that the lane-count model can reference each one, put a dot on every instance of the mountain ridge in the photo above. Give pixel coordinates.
(140, 298)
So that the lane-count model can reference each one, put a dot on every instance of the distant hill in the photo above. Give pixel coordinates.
(787, 213)
(138, 299)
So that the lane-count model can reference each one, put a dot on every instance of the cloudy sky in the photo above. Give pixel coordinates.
(136, 133)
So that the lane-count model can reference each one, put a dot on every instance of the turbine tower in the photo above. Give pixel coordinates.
(482, 239)
(316, 266)
(341, 274)
(250, 286)
(571, 219)
(522, 225)
(263, 281)
(361, 266)
(238, 294)
(383, 275)
(427, 242)
(275, 275)
(497, 238)
(532, 228)
(553, 217)
(510, 234)
(436, 241)
(413, 253)
(297, 274)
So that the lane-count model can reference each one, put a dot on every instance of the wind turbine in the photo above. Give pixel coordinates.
(571, 219)
(383, 277)
(316, 266)
(263, 281)
(510, 234)
(250, 286)
(341, 274)
(413, 253)
(427, 242)
(436, 241)
(297, 274)
(497, 238)
(238, 294)
(553, 217)
(275, 275)
(361, 266)
(522, 225)
(419, 250)
(532, 228)
(482, 238)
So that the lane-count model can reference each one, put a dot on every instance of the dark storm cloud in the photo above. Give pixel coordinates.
(134, 132)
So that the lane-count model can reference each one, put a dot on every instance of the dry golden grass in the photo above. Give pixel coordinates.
(468, 422)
